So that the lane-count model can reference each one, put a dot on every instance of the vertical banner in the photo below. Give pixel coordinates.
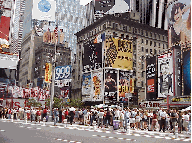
(48, 72)
(177, 70)
(97, 84)
(187, 71)
(131, 88)
(179, 23)
(165, 75)
(110, 85)
(124, 84)
(151, 76)
(119, 54)
(86, 85)
(92, 56)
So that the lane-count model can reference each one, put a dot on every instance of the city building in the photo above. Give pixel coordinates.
(146, 41)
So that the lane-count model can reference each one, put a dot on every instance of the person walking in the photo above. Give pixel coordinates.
(108, 116)
(174, 119)
(71, 117)
(56, 114)
(38, 114)
(180, 122)
(163, 120)
(137, 120)
(154, 121)
(186, 121)
(100, 118)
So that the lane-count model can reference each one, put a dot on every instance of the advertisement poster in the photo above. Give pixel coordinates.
(165, 75)
(124, 84)
(92, 57)
(97, 86)
(110, 85)
(187, 71)
(86, 85)
(119, 54)
(48, 72)
(179, 22)
(151, 76)
(63, 72)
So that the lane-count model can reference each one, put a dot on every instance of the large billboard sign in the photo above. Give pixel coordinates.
(97, 85)
(179, 23)
(110, 93)
(86, 85)
(92, 57)
(63, 72)
(44, 10)
(165, 75)
(187, 71)
(151, 76)
(119, 54)
(9, 61)
(124, 84)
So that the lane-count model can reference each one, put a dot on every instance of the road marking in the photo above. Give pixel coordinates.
(94, 135)
(186, 140)
(128, 139)
(38, 128)
(21, 126)
(168, 138)
(158, 137)
(59, 139)
(2, 130)
(65, 140)
(110, 137)
(60, 127)
(147, 136)
(120, 138)
(137, 135)
(103, 136)
(29, 127)
(72, 141)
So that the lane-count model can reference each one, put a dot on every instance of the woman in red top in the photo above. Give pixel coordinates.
(154, 120)
(66, 115)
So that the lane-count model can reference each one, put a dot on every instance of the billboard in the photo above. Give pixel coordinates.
(63, 72)
(48, 72)
(44, 10)
(151, 76)
(9, 61)
(92, 57)
(110, 93)
(179, 23)
(187, 71)
(165, 75)
(97, 85)
(119, 54)
(86, 85)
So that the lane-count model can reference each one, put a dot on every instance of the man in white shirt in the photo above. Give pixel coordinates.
(186, 121)
(117, 114)
(100, 118)
(163, 120)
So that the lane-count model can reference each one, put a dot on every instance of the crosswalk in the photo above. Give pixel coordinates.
(138, 133)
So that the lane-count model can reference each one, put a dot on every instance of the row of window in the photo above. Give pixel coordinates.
(155, 44)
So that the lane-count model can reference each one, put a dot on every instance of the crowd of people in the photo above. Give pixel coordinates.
(139, 119)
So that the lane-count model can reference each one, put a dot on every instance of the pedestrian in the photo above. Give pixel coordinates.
(163, 120)
(174, 119)
(108, 116)
(132, 119)
(180, 122)
(100, 118)
(85, 116)
(38, 114)
(137, 120)
(66, 115)
(121, 118)
(117, 114)
(189, 125)
(186, 121)
(56, 114)
(154, 121)
(76, 115)
(80, 117)
(44, 112)
(71, 116)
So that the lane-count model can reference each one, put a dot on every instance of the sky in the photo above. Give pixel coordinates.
(84, 2)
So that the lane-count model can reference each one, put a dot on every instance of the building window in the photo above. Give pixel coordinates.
(150, 43)
(127, 37)
(122, 36)
(155, 51)
(142, 84)
(151, 34)
(146, 33)
(146, 50)
(104, 26)
(129, 29)
(141, 31)
(167, 46)
(141, 41)
(154, 44)
(133, 30)
(159, 51)
(125, 28)
(114, 25)
(150, 51)
(142, 49)
(155, 35)
(163, 46)
(146, 42)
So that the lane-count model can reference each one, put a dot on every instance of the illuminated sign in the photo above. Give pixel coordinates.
(48, 72)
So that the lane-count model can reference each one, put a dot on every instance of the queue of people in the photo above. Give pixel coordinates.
(139, 119)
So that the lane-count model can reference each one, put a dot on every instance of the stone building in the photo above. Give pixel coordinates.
(147, 41)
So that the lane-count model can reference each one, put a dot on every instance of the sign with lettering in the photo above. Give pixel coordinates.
(63, 72)
(149, 104)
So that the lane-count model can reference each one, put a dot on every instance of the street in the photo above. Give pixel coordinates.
(20, 132)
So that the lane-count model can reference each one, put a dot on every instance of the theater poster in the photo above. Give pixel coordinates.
(86, 85)
(92, 56)
(97, 85)
(151, 76)
(110, 85)
(187, 71)
(179, 23)
(119, 54)
(165, 75)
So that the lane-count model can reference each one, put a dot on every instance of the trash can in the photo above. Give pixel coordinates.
(116, 124)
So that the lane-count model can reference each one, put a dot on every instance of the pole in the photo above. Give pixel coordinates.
(52, 87)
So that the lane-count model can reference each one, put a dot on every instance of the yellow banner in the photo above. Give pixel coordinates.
(119, 54)
(48, 72)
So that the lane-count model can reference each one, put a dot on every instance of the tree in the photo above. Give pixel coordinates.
(76, 103)
(58, 103)
(33, 103)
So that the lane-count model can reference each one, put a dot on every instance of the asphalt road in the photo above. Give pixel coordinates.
(18, 132)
